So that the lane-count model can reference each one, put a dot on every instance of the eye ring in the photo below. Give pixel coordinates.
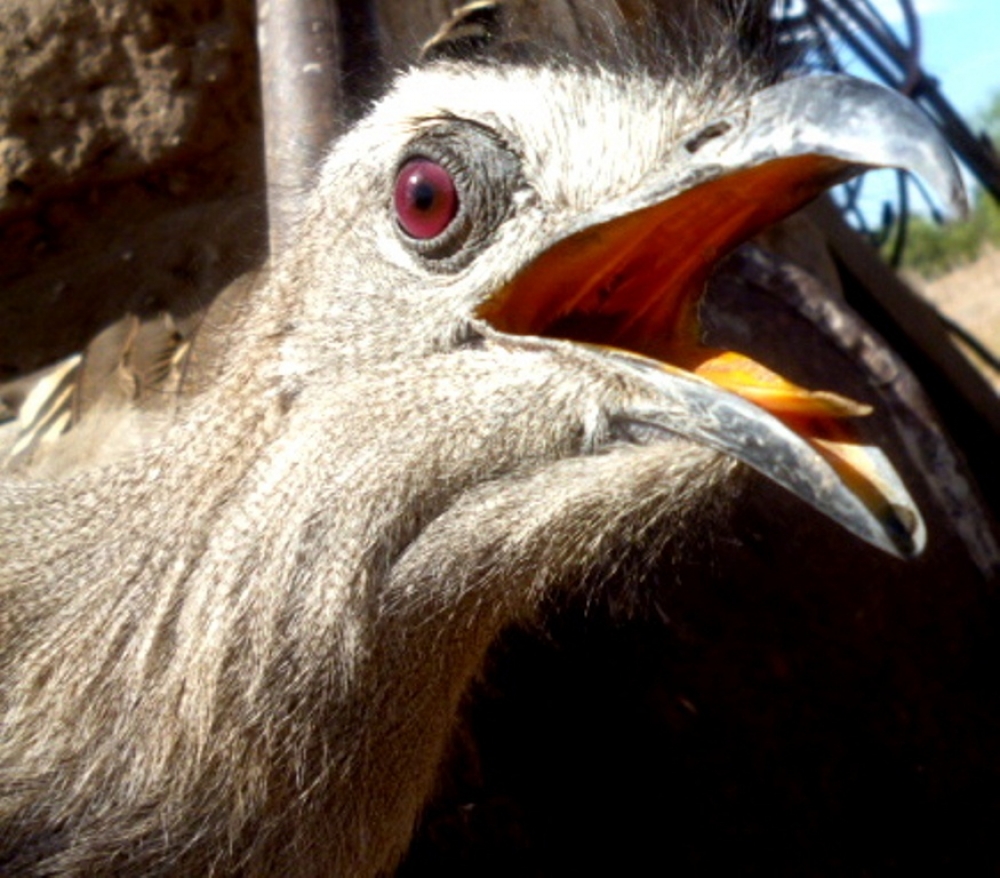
(425, 198)
(462, 190)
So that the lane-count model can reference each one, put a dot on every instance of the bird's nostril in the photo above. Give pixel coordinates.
(425, 199)
(710, 132)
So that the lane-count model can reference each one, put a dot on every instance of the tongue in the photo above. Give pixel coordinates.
(755, 382)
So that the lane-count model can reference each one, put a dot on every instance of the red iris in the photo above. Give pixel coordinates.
(425, 199)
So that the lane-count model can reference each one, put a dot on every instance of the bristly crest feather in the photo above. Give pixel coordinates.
(725, 41)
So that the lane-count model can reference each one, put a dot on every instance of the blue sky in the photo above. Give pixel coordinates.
(961, 47)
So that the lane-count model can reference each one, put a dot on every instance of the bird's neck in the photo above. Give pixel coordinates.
(251, 613)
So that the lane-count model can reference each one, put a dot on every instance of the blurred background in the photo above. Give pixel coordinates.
(944, 54)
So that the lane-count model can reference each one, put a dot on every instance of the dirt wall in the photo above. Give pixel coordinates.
(130, 171)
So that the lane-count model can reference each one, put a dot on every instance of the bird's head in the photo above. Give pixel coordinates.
(460, 389)
(571, 206)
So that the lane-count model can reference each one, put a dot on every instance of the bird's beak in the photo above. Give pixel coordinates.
(628, 277)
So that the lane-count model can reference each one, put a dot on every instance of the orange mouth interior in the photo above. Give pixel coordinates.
(634, 283)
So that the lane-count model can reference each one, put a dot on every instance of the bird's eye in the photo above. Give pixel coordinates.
(425, 199)
(452, 189)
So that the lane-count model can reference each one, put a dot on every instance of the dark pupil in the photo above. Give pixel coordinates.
(424, 195)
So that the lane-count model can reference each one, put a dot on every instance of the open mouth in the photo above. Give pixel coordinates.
(634, 284)
(628, 277)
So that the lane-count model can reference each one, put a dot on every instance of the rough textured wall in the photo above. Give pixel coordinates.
(130, 171)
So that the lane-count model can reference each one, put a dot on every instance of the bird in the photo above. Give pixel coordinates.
(474, 381)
